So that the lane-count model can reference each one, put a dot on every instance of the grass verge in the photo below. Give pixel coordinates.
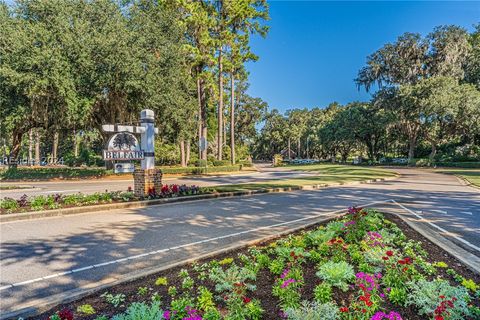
(321, 174)
(471, 175)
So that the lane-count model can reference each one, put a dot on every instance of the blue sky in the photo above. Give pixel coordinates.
(315, 48)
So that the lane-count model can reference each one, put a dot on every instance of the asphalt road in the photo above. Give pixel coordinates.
(50, 256)
(100, 185)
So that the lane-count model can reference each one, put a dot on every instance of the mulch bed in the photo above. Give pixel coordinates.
(264, 283)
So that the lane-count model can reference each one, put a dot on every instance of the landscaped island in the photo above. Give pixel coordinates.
(363, 265)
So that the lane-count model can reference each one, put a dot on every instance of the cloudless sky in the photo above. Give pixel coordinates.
(314, 49)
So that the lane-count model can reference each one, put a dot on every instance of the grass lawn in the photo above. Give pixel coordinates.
(471, 175)
(323, 174)
(10, 187)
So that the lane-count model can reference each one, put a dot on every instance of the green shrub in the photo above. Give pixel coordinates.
(9, 204)
(323, 293)
(86, 309)
(428, 295)
(219, 163)
(44, 173)
(337, 274)
(39, 202)
(201, 163)
(313, 311)
(141, 311)
(277, 160)
(114, 300)
(254, 310)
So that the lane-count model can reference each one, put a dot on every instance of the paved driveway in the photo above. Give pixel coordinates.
(49, 256)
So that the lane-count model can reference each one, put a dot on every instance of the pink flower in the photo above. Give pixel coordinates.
(287, 282)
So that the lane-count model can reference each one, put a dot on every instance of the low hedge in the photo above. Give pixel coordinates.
(42, 173)
(221, 163)
(45, 173)
(200, 170)
(459, 164)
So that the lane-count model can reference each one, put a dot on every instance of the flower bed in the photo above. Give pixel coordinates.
(56, 201)
(364, 265)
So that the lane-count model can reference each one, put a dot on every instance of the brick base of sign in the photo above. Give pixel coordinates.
(145, 181)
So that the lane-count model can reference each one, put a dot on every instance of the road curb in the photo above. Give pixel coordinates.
(464, 181)
(147, 203)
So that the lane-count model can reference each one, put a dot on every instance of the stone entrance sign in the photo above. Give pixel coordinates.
(124, 146)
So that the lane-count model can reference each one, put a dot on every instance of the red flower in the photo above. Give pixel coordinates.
(246, 300)
(65, 314)
(343, 309)
(438, 318)
(401, 261)
(442, 297)
(389, 253)
(385, 258)
(404, 269)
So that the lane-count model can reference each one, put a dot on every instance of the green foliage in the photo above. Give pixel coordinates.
(142, 291)
(323, 293)
(225, 280)
(9, 205)
(220, 163)
(427, 295)
(24, 173)
(470, 285)
(398, 295)
(314, 311)
(115, 300)
(337, 274)
(161, 281)
(205, 299)
(86, 309)
(254, 310)
(141, 311)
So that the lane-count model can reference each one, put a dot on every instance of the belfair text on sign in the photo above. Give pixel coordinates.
(123, 155)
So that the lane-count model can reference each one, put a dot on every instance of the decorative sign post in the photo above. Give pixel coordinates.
(124, 146)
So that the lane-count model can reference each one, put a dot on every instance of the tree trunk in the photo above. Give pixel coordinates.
(298, 148)
(220, 106)
(411, 150)
(16, 145)
(187, 153)
(53, 160)
(75, 143)
(182, 153)
(202, 118)
(232, 118)
(30, 146)
(199, 98)
(308, 150)
(37, 146)
(433, 153)
(288, 148)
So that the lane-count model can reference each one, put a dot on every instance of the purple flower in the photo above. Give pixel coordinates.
(382, 315)
(166, 314)
(287, 282)
(285, 273)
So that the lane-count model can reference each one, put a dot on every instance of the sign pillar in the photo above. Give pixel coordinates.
(147, 118)
(147, 180)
